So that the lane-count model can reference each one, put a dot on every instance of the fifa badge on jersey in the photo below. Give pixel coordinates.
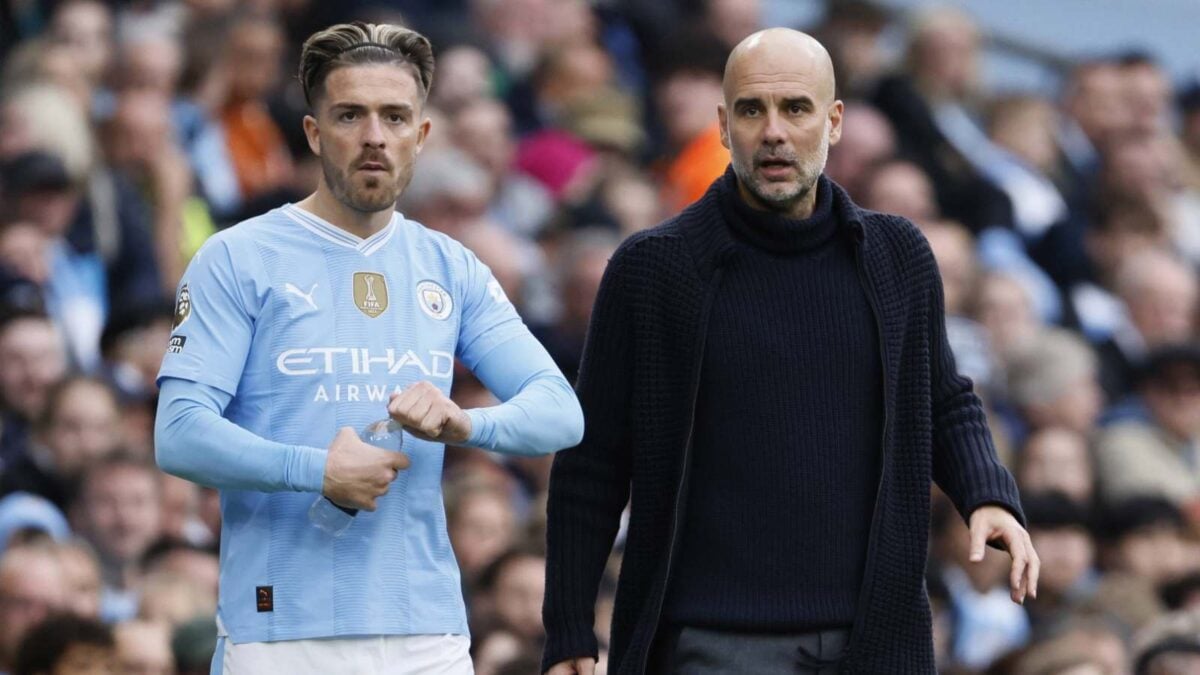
(370, 293)
(183, 306)
(434, 300)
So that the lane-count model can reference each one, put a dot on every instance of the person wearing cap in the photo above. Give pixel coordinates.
(22, 512)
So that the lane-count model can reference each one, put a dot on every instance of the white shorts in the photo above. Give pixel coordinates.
(374, 655)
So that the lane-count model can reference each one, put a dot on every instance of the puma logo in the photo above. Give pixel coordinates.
(291, 288)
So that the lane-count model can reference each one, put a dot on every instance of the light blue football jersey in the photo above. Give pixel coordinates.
(311, 329)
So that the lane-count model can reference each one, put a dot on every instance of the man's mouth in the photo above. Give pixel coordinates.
(769, 163)
(775, 168)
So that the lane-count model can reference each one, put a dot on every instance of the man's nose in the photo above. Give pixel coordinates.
(773, 132)
(373, 133)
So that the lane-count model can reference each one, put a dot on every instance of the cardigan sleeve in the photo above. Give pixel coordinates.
(965, 465)
(590, 483)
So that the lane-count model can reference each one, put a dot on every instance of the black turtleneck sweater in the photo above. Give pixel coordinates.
(787, 442)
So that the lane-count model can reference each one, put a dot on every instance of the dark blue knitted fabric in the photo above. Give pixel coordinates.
(785, 456)
(637, 385)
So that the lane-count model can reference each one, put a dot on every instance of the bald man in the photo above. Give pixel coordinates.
(767, 384)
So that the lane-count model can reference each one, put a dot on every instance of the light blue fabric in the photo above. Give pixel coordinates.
(77, 298)
(294, 328)
(22, 510)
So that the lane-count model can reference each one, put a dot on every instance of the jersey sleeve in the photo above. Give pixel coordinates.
(488, 318)
(213, 325)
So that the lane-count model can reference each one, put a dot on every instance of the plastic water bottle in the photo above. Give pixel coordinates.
(333, 518)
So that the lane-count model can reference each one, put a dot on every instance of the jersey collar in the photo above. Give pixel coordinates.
(332, 233)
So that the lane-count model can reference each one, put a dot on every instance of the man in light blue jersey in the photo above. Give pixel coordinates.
(297, 328)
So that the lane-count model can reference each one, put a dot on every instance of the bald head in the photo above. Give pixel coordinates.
(778, 118)
(779, 53)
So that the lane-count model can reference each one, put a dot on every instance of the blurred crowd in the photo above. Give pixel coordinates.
(1067, 230)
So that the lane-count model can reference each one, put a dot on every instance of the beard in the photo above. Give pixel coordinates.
(782, 197)
(372, 194)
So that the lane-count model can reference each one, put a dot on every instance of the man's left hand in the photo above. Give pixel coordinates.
(991, 523)
(428, 414)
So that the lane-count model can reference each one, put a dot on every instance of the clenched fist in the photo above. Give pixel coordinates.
(427, 413)
(356, 474)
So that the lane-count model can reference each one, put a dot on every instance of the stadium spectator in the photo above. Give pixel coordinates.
(119, 514)
(252, 60)
(139, 142)
(67, 645)
(1079, 644)
(514, 584)
(32, 359)
(193, 644)
(78, 428)
(582, 260)
(1145, 537)
(930, 108)
(1171, 645)
(1061, 532)
(1159, 292)
(868, 141)
(144, 648)
(482, 526)
(24, 517)
(81, 572)
(173, 599)
(1056, 459)
(1003, 306)
(449, 194)
(86, 27)
(181, 511)
(493, 649)
(483, 129)
(31, 589)
(1052, 381)
(183, 559)
(687, 88)
(902, 188)
(1148, 448)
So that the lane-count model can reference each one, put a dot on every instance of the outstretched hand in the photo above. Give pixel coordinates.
(995, 523)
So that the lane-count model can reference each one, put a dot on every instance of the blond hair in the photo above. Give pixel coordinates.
(348, 44)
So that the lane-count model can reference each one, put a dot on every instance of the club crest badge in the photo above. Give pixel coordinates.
(434, 300)
(183, 306)
(370, 293)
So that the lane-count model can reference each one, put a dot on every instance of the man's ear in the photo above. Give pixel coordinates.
(423, 133)
(835, 122)
(312, 131)
(723, 122)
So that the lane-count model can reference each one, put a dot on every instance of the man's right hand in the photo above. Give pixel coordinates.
(584, 665)
(356, 474)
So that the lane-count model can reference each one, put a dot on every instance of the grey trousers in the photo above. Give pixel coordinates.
(700, 651)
